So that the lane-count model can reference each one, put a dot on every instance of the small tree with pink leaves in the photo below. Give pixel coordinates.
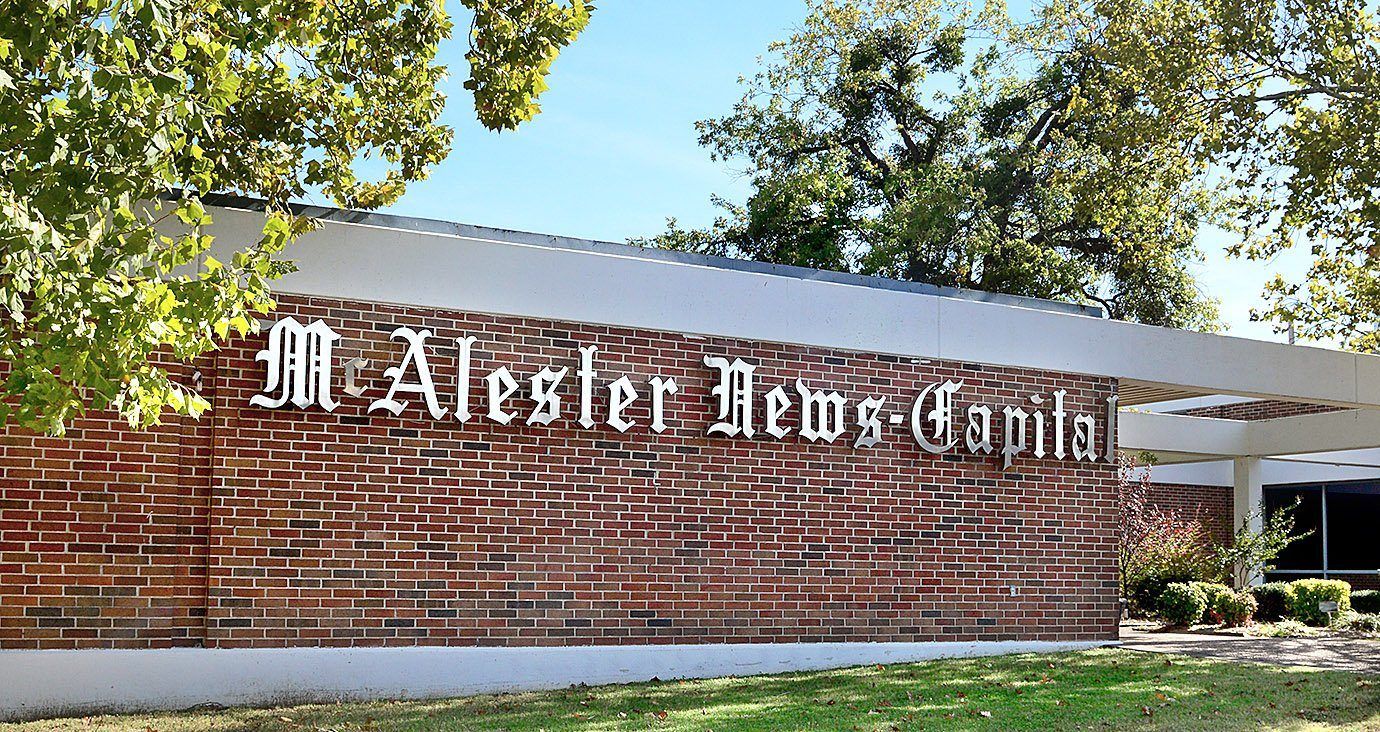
(1157, 546)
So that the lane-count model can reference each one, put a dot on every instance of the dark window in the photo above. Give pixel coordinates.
(1306, 553)
(1353, 515)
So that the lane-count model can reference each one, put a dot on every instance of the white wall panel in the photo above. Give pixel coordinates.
(49, 683)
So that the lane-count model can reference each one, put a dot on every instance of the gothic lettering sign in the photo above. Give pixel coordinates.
(299, 360)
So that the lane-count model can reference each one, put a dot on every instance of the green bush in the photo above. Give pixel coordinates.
(1182, 604)
(1368, 623)
(1178, 564)
(1274, 600)
(1309, 592)
(1215, 594)
(1236, 608)
(1365, 601)
(1146, 589)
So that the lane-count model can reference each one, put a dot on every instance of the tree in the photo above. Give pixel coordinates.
(117, 115)
(1282, 101)
(1252, 552)
(926, 142)
(1155, 547)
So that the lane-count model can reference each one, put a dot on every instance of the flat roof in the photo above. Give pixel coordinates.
(436, 226)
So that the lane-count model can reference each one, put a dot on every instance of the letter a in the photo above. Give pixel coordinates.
(416, 357)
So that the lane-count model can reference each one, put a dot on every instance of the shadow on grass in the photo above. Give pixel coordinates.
(1105, 689)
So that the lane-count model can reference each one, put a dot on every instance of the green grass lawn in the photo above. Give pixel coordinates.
(1101, 689)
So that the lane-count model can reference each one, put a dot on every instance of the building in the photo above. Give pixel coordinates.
(1337, 491)
(461, 459)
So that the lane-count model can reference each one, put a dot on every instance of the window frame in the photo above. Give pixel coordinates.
(1325, 571)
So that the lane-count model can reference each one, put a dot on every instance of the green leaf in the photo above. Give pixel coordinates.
(107, 105)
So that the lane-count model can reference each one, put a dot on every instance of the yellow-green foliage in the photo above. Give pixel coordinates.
(1215, 593)
(108, 105)
(1309, 592)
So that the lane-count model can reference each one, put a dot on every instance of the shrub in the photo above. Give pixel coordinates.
(1365, 601)
(1283, 629)
(1236, 608)
(1273, 600)
(1171, 551)
(1215, 594)
(1147, 588)
(1309, 592)
(1368, 623)
(1252, 551)
(1182, 604)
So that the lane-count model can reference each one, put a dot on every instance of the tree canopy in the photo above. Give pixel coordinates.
(118, 115)
(927, 141)
(1075, 156)
(1282, 100)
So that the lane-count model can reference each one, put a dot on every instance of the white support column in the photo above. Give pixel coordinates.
(1248, 499)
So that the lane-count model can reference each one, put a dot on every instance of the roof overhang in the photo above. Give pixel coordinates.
(354, 256)
(1181, 438)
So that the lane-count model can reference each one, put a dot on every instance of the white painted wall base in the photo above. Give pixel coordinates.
(36, 684)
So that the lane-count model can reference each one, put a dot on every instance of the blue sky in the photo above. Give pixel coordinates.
(614, 151)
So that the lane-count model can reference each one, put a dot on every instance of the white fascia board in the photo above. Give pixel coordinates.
(1287, 471)
(1353, 429)
(1367, 379)
(1176, 405)
(372, 263)
(1157, 356)
(1177, 433)
(432, 270)
(1349, 466)
(1215, 473)
(1369, 458)
(38, 683)
(1327, 432)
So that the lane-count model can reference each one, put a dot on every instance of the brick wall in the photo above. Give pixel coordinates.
(1258, 409)
(307, 528)
(1358, 581)
(1210, 504)
(103, 536)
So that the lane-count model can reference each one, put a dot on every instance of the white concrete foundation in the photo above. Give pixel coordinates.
(36, 684)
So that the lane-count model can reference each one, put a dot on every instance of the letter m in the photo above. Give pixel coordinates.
(299, 363)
